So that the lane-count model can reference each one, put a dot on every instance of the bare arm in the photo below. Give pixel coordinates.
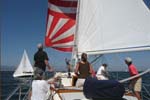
(92, 70)
(77, 68)
(48, 65)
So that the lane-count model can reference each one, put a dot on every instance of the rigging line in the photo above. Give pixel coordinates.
(96, 58)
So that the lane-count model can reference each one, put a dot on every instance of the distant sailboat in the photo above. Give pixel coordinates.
(25, 68)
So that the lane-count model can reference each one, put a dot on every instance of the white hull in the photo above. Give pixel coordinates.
(80, 96)
(74, 93)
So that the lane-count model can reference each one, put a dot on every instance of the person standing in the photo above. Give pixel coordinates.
(41, 60)
(136, 82)
(68, 67)
(83, 70)
(102, 73)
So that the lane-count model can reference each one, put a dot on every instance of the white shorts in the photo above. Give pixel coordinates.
(101, 77)
(80, 82)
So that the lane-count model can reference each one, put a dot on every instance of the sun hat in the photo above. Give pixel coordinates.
(40, 45)
(128, 59)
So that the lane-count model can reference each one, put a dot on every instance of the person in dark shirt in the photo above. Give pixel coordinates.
(83, 70)
(68, 67)
(41, 59)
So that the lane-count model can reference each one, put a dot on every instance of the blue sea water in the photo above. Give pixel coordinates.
(8, 83)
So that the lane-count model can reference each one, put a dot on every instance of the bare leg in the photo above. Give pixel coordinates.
(137, 94)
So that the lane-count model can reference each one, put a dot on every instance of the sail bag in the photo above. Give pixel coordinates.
(103, 89)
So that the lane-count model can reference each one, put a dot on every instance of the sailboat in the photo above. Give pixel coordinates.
(96, 27)
(25, 68)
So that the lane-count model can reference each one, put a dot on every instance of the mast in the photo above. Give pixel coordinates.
(75, 55)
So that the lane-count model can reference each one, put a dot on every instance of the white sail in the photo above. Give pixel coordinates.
(108, 26)
(25, 68)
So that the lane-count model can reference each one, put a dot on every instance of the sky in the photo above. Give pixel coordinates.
(23, 26)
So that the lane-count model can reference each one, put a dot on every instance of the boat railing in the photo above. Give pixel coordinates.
(27, 94)
(13, 92)
(146, 91)
(19, 90)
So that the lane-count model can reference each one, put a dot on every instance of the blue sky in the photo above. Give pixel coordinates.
(23, 26)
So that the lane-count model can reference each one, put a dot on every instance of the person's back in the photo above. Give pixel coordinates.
(39, 89)
(84, 70)
(102, 73)
(39, 58)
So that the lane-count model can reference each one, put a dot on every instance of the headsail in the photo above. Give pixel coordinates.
(25, 68)
(109, 26)
(61, 24)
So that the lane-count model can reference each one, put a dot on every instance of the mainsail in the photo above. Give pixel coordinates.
(61, 24)
(109, 26)
(25, 68)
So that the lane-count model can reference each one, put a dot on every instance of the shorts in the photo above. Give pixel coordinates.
(38, 71)
(138, 85)
(101, 77)
(80, 82)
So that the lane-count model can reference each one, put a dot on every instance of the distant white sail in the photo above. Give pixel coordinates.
(109, 26)
(25, 68)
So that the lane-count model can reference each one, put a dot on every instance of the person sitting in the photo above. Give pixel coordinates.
(83, 70)
(40, 87)
(102, 73)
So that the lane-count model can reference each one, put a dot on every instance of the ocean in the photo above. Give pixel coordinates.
(8, 84)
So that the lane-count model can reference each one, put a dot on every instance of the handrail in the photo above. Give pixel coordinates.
(130, 78)
(18, 88)
(27, 93)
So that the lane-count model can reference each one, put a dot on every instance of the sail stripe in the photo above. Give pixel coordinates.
(67, 44)
(61, 24)
(62, 15)
(62, 9)
(65, 40)
(69, 49)
(62, 3)
(53, 24)
(65, 34)
(49, 19)
(67, 26)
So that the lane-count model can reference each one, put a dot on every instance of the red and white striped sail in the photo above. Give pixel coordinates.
(61, 24)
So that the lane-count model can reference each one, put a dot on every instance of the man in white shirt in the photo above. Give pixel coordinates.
(40, 87)
(102, 73)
